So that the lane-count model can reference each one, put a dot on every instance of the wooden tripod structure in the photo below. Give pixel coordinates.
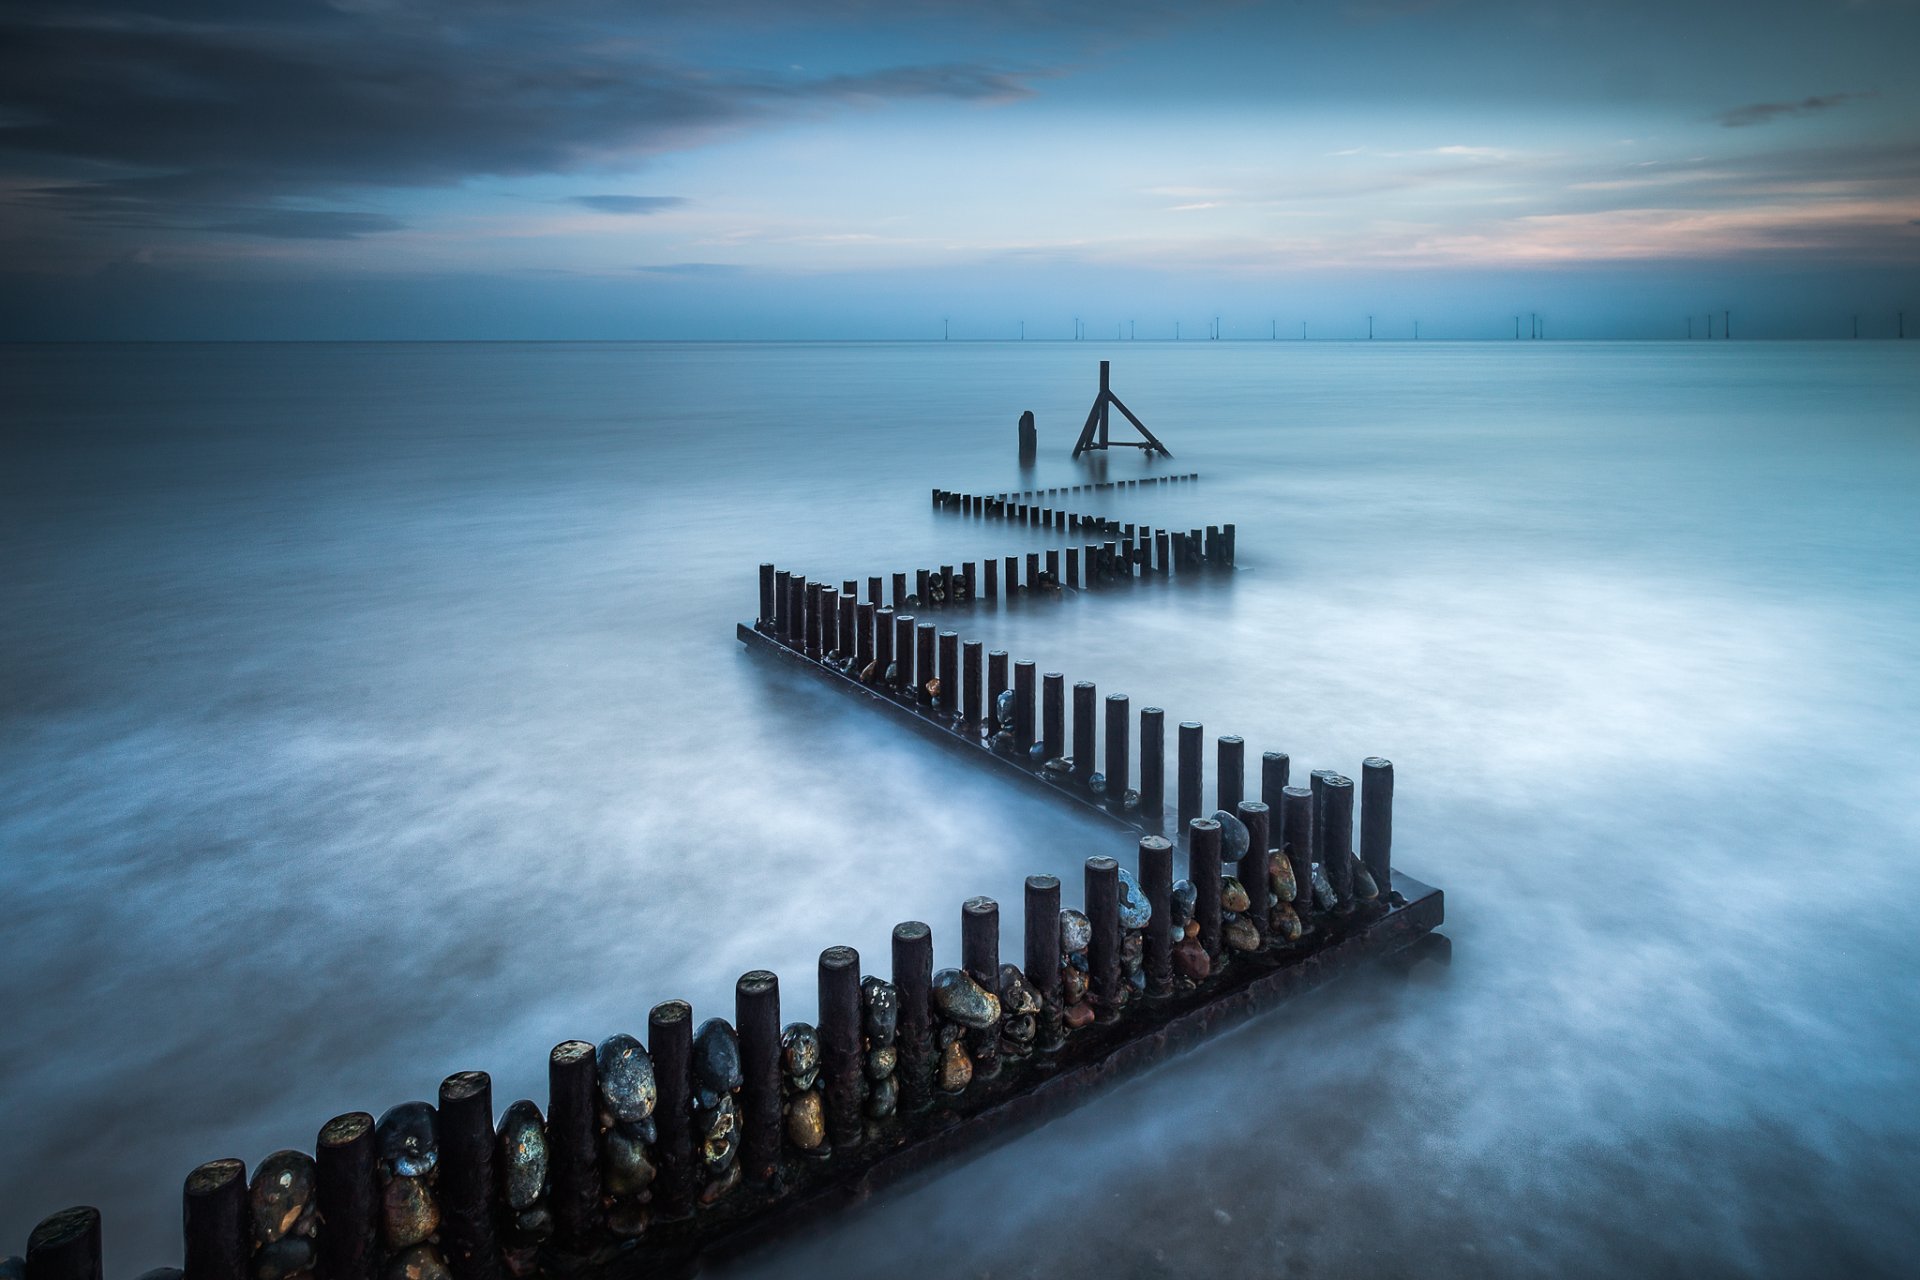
(1094, 434)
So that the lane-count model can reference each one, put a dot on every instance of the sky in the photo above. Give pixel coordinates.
(741, 169)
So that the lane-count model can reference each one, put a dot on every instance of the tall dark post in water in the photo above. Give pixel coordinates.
(1376, 822)
(840, 1044)
(1153, 763)
(1156, 881)
(767, 582)
(572, 1169)
(347, 1197)
(66, 1246)
(829, 620)
(1189, 772)
(970, 662)
(913, 983)
(1053, 715)
(1103, 952)
(1252, 870)
(1023, 707)
(863, 638)
(1296, 833)
(1336, 819)
(883, 629)
(1042, 959)
(923, 667)
(903, 626)
(950, 671)
(756, 1015)
(996, 685)
(670, 1044)
(782, 600)
(980, 957)
(465, 1187)
(1230, 772)
(215, 1216)
(1274, 767)
(1203, 868)
(1083, 730)
(1118, 727)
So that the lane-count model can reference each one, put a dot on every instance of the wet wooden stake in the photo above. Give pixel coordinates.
(996, 685)
(980, 957)
(1335, 820)
(1156, 882)
(991, 587)
(782, 603)
(1376, 823)
(1053, 715)
(347, 1196)
(1252, 870)
(813, 619)
(1153, 763)
(921, 584)
(829, 621)
(1189, 776)
(465, 1185)
(949, 642)
(883, 619)
(840, 1044)
(1203, 868)
(874, 593)
(946, 583)
(66, 1246)
(903, 653)
(1084, 747)
(1103, 952)
(913, 983)
(1073, 567)
(670, 1044)
(767, 584)
(1033, 569)
(1274, 766)
(571, 1132)
(971, 578)
(1296, 835)
(756, 1016)
(899, 591)
(214, 1215)
(1230, 772)
(1091, 555)
(1023, 708)
(1118, 726)
(862, 637)
(849, 643)
(1042, 958)
(970, 661)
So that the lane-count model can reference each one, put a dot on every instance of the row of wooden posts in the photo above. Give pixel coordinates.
(1138, 548)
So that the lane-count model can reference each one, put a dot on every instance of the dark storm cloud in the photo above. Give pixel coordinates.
(1767, 112)
(309, 224)
(638, 205)
(184, 115)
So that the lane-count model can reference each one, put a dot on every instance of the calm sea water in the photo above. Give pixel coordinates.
(373, 712)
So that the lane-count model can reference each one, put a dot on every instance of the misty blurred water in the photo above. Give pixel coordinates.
(373, 712)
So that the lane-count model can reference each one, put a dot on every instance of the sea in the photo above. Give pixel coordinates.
(372, 712)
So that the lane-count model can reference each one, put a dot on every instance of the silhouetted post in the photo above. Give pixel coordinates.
(1296, 826)
(347, 1197)
(1053, 715)
(1023, 707)
(66, 1245)
(1073, 567)
(1189, 773)
(1253, 863)
(1156, 881)
(1083, 730)
(215, 1217)
(813, 619)
(1335, 819)
(862, 637)
(1013, 575)
(1053, 563)
(1203, 868)
(849, 632)
(1153, 763)
(899, 591)
(840, 1044)
(756, 1016)
(923, 668)
(1274, 767)
(922, 588)
(767, 608)
(1230, 770)
(670, 1045)
(829, 620)
(1118, 727)
(913, 983)
(971, 660)
(1161, 552)
(903, 625)
(1376, 822)
(1043, 956)
(575, 1175)
(1103, 952)
(990, 586)
(950, 671)
(883, 619)
(980, 957)
(996, 685)
(970, 577)
(782, 603)
(1033, 569)
(465, 1186)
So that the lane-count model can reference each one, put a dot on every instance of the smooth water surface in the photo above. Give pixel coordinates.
(373, 712)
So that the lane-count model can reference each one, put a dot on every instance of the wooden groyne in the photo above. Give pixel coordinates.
(693, 1138)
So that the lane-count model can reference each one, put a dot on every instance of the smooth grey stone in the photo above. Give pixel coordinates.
(716, 1062)
(409, 1138)
(960, 999)
(1076, 931)
(882, 1009)
(1135, 910)
(522, 1155)
(626, 1083)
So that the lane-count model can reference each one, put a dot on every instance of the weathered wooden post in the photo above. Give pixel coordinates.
(1334, 825)
(829, 621)
(1084, 746)
(1252, 870)
(873, 592)
(756, 1015)
(862, 637)
(813, 619)
(980, 957)
(1043, 957)
(1053, 564)
(1189, 777)
(922, 588)
(1162, 552)
(214, 1204)
(670, 1045)
(971, 655)
(996, 685)
(66, 1245)
(571, 1133)
(1153, 763)
(1156, 882)
(991, 574)
(767, 583)
(849, 628)
(1296, 825)
(1023, 707)
(346, 1195)
(1103, 952)
(899, 591)
(1203, 869)
(913, 982)
(1230, 771)
(1073, 567)
(1274, 767)
(970, 579)
(883, 620)
(1118, 726)
(465, 1187)
(782, 603)
(1053, 715)
(923, 667)
(840, 1044)
(1033, 569)
(949, 699)
(903, 625)
(1376, 823)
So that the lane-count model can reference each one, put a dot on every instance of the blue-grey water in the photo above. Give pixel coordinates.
(373, 712)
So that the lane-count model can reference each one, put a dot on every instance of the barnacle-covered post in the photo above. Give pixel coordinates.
(1230, 777)
(1118, 725)
(1189, 751)
(1084, 729)
(840, 1056)
(1254, 876)
(1203, 868)
(980, 958)
(575, 1199)
(756, 1010)
(214, 1218)
(913, 984)
(466, 1177)
(345, 1191)
(65, 1246)
(670, 1053)
(1042, 955)
(1103, 949)
(1153, 763)
(1376, 822)
(1053, 715)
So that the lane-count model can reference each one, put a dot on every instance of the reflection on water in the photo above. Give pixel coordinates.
(373, 712)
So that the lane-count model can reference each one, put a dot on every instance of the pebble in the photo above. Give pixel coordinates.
(536, 1223)
(716, 1063)
(1003, 742)
(870, 672)
(800, 1054)
(1003, 707)
(933, 689)
(1078, 1015)
(14, 1267)
(1233, 894)
(884, 1099)
(1137, 979)
(1130, 801)
(1240, 935)
(1018, 998)
(956, 1068)
(1059, 766)
(1180, 905)
(420, 1262)
(1280, 877)
(628, 1218)
(1019, 1033)
(882, 1061)
(959, 998)
(1190, 960)
(1323, 898)
(627, 1090)
(523, 1154)
(1364, 887)
(287, 1256)
(1284, 923)
(1076, 931)
(893, 673)
(719, 1186)
(1133, 952)
(715, 1126)
(409, 1139)
(1097, 783)
(280, 1201)
(1073, 985)
(806, 1121)
(625, 1168)
(1135, 910)
(882, 1009)
(408, 1214)
(1234, 838)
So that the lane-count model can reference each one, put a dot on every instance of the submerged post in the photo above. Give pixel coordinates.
(1376, 822)
(1118, 709)
(913, 983)
(840, 1044)
(1203, 869)
(1083, 731)
(1153, 763)
(1189, 750)
(1230, 768)
(756, 1014)
(1156, 882)
(1043, 956)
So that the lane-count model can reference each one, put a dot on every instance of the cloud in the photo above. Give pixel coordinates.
(309, 224)
(636, 205)
(1766, 112)
(693, 269)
